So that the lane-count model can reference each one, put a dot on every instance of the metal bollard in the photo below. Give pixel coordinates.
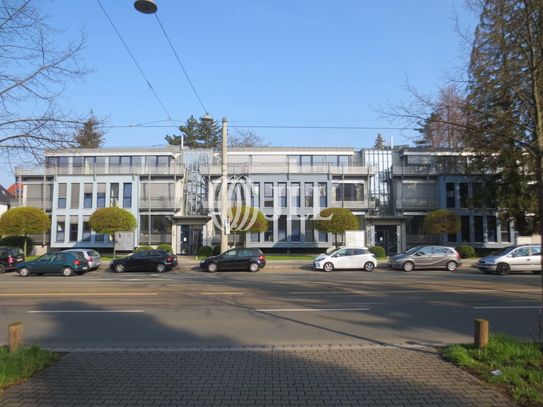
(15, 336)
(481, 333)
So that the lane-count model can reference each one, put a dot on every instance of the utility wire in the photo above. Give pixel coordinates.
(134, 59)
(180, 64)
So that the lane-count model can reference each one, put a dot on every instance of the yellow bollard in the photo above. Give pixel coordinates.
(481, 333)
(15, 336)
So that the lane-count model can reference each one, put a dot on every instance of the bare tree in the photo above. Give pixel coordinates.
(34, 73)
(246, 139)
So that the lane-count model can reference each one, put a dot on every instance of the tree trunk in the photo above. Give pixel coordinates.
(114, 248)
(24, 246)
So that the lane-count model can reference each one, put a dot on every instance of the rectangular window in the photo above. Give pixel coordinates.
(268, 194)
(478, 229)
(348, 192)
(255, 237)
(465, 229)
(255, 196)
(309, 230)
(74, 228)
(305, 160)
(101, 196)
(413, 226)
(295, 193)
(86, 232)
(477, 191)
(127, 195)
(74, 198)
(295, 233)
(99, 237)
(463, 194)
(62, 195)
(282, 186)
(282, 229)
(87, 196)
(308, 194)
(114, 195)
(504, 231)
(492, 230)
(61, 228)
(268, 234)
(323, 237)
(451, 198)
(323, 198)
(78, 165)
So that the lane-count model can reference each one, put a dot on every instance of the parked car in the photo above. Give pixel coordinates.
(146, 260)
(512, 258)
(427, 257)
(346, 258)
(92, 256)
(10, 257)
(62, 262)
(235, 259)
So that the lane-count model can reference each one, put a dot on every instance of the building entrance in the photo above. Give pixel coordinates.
(191, 239)
(386, 236)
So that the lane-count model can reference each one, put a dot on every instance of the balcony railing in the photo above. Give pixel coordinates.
(416, 204)
(35, 203)
(161, 203)
(100, 169)
(288, 168)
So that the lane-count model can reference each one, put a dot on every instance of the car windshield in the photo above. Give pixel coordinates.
(503, 251)
(413, 250)
(333, 251)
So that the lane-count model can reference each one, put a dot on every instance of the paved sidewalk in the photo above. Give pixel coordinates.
(278, 376)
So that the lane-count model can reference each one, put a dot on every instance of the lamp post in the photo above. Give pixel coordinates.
(224, 182)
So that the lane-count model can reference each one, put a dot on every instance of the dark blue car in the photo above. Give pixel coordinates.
(65, 263)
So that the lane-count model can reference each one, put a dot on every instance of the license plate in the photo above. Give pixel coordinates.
(84, 268)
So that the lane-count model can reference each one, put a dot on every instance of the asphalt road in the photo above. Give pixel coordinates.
(283, 305)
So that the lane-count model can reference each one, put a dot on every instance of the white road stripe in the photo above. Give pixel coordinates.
(123, 294)
(221, 293)
(84, 311)
(309, 309)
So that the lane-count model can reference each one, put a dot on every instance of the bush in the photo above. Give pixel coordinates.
(165, 247)
(378, 251)
(144, 247)
(18, 241)
(205, 251)
(465, 251)
(216, 250)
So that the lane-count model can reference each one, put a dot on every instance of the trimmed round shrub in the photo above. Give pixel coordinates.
(18, 241)
(378, 251)
(144, 247)
(465, 251)
(165, 247)
(205, 251)
(216, 250)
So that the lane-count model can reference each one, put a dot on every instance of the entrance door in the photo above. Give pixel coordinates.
(191, 239)
(386, 236)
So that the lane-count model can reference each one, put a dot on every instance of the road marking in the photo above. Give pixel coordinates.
(123, 294)
(309, 309)
(84, 310)
(513, 307)
(428, 291)
(221, 293)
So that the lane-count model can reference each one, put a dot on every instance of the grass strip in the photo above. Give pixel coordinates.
(18, 366)
(520, 366)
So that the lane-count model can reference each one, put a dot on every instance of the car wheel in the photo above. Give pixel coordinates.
(502, 269)
(119, 268)
(328, 267)
(24, 272)
(536, 271)
(2, 269)
(212, 267)
(408, 266)
(67, 272)
(369, 266)
(160, 268)
(451, 266)
(253, 267)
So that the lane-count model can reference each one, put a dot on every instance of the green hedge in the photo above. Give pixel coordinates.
(205, 251)
(165, 247)
(465, 251)
(378, 251)
(216, 250)
(144, 247)
(18, 241)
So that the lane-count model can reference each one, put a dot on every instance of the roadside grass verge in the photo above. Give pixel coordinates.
(19, 366)
(520, 366)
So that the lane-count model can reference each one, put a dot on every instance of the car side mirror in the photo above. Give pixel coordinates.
(419, 253)
(131, 257)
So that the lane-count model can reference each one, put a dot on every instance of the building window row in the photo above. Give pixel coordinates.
(88, 195)
(110, 161)
(464, 192)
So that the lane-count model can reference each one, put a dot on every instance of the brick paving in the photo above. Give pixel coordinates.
(273, 376)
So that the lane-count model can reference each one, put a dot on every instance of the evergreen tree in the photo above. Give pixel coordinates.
(379, 142)
(91, 135)
(198, 134)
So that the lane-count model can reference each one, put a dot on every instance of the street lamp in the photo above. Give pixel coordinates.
(146, 6)
(224, 181)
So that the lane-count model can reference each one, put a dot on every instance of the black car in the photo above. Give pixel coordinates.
(10, 257)
(235, 259)
(146, 260)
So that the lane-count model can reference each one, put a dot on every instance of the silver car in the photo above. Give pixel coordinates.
(512, 258)
(92, 256)
(427, 257)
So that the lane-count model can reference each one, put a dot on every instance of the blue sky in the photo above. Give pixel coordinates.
(318, 63)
